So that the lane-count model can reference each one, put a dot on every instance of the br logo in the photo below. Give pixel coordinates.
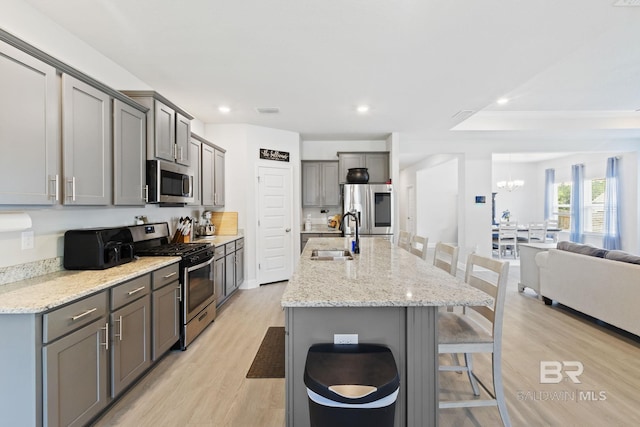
(554, 371)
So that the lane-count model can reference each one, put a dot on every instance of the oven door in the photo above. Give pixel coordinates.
(381, 209)
(199, 289)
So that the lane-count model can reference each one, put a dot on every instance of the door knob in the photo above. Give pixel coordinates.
(287, 230)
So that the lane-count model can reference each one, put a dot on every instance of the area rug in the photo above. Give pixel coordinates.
(269, 360)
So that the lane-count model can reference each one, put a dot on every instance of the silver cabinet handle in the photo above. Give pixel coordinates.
(180, 151)
(170, 275)
(86, 313)
(175, 151)
(146, 193)
(179, 293)
(56, 189)
(120, 328)
(106, 336)
(72, 181)
(135, 291)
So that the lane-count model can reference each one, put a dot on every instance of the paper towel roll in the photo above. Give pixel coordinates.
(14, 221)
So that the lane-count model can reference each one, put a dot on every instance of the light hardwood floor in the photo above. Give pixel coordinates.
(206, 385)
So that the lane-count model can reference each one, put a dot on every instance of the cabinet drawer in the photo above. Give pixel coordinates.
(165, 275)
(239, 244)
(230, 247)
(130, 291)
(71, 317)
(218, 252)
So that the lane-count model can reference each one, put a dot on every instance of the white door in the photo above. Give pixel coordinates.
(411, 209)
(275, 241)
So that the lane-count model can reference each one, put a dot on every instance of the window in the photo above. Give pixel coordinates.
(594, 205)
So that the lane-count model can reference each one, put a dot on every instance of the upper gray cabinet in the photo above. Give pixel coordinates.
(129, 154)
(377, 164)
(30, 125)
(320, 186)
(168, 128)
(86, 143)
(196, 168)
(212, 173)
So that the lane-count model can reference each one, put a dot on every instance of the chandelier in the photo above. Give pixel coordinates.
(511, 184)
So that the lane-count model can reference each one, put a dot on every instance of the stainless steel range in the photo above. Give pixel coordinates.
(198, 296)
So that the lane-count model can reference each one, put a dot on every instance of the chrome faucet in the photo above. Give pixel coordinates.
(353, 213)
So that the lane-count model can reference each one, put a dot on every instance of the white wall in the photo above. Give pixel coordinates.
(327, 150)
(437, 202)
(526, 204)
(243, 143)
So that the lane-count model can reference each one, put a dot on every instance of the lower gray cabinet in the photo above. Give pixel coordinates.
(219, 275)
(230, 273)
(228, 268)
(75, 356)
(166, 318)
(131, 348)
(239, 267)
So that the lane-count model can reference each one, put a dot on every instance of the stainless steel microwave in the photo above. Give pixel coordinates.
(169, 183)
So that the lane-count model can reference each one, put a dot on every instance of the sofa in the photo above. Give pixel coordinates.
(601, 283)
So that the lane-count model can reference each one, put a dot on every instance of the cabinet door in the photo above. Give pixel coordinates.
(311, 184)
(196, 167)
(86, 143)
(75, 376)
(208, 159)
(165, 132)
(219, 279)
(378, 167)
(131, 346)
(129, 153)
(239, 267)
(29, 129)
(183, 136)
(348, 161)
(166, 318)
(230, 273)
(330, 184)
(219, 184)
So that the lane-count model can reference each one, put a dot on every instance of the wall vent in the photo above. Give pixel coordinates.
(268, 110)
(624, 3)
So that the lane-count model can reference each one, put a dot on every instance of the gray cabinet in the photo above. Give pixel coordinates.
(320, 186)
(168, 127)
(377, 164)
(86, 143)
(239, 262)
(30, 125)
(230, 270)
(195, 148)
(165, 306)
(75, 362)
(183, 136)
(213, 184)
(129, 154)
(219, 274)
(219, 183)
(208, 174)
(131, 326)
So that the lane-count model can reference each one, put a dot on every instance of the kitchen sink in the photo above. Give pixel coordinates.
(331, 255)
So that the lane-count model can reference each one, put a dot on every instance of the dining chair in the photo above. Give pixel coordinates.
(508, 238)
(537, 232)
(446, 257)
(418, 246)
(404, 240)
(460, 333)
(552, 235)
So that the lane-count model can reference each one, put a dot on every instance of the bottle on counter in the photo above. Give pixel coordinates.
(307, 223)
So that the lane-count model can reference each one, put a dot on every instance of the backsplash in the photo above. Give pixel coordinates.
(28, 270)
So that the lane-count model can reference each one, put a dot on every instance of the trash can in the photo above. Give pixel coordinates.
(353, 385)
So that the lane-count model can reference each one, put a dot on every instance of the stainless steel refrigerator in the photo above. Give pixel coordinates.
(374, 206)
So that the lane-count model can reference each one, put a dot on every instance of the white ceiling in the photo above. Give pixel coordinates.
(569, 67)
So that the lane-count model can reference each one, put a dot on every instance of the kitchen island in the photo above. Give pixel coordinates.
(386, 296)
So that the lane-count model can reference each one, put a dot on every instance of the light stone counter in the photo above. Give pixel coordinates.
(321, 229)
(217, 240)
(45, 292)
(382, 275)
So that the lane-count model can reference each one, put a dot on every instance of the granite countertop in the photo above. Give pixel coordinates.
(216, 240)
(382, 275)
(45, 292)
(321, 229)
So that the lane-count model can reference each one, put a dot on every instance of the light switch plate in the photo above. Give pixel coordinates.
(27, 240)
(345, 338)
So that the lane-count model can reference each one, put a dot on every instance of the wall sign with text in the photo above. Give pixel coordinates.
(281, 156)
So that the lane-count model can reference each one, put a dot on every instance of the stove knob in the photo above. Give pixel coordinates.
(194, 258)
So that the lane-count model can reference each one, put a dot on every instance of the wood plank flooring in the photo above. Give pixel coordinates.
(206, 385)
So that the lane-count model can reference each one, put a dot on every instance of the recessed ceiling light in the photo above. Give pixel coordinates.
(502, 101)
(362, 109)
(224, 109)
